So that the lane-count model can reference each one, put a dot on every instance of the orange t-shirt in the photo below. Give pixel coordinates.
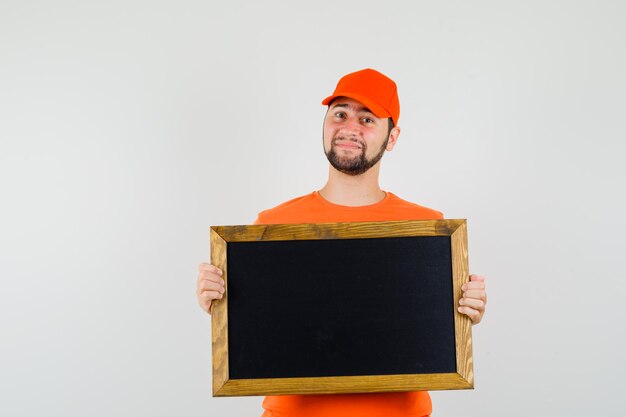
(313, 208)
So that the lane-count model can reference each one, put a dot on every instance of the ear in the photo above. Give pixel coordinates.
(393, 138)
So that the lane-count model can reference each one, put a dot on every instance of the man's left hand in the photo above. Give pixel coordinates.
(474, 298)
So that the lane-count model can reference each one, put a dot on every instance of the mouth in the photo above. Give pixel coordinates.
(347, 144)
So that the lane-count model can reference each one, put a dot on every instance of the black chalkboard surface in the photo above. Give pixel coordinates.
(308, 311)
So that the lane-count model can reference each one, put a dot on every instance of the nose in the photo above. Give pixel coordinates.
(351, 126)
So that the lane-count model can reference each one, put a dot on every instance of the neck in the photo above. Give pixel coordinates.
(349, 190)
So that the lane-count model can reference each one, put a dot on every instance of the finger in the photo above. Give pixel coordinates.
(206, 267)
(474, 315)
(210, 285)
(473, 285)
(477, 278)
(205, 304)
(210, 296)
(210, 277)
(476, 294)
(478, 305)
(206, 300)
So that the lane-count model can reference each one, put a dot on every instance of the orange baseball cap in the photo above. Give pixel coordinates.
(376, 91)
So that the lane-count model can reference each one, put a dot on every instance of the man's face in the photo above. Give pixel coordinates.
(354, 138)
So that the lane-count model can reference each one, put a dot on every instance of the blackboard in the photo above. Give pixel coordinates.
(341, 307)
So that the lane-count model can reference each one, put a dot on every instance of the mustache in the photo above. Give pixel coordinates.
(355, 140)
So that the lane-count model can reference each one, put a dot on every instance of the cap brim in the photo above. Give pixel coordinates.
(378, 110)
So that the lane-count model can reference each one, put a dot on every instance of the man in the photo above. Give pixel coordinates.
(360, 125)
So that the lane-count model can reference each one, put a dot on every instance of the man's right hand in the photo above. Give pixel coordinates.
(210, 285)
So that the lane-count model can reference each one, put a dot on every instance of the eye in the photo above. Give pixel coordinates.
(368, 120)
(340, 115)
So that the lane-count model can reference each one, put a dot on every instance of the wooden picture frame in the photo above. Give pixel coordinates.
(227, 382)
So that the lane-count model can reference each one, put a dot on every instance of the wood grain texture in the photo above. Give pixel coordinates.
(462, 323)
(354, 230)
(219, 316)
(343, 384)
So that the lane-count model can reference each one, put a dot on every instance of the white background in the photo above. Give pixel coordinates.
(127, 128)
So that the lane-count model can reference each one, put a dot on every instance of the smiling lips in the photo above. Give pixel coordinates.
(347, 144)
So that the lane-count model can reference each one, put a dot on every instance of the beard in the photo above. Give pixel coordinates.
(357, 164)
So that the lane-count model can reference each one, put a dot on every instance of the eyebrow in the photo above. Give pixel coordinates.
(358, 109)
